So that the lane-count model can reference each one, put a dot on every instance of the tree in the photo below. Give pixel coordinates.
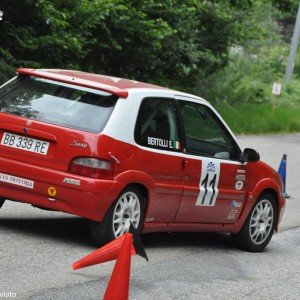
(173, 43)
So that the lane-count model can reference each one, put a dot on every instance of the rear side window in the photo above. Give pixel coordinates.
(157, 125)
(57, 103)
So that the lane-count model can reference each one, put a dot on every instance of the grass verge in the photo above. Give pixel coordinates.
(260, 118)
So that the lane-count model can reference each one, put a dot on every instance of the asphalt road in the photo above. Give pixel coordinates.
(37, 250)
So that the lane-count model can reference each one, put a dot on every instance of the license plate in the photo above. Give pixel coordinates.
(24, 143)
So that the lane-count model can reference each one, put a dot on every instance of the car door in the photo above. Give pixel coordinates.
(214, 179)
(158, 135)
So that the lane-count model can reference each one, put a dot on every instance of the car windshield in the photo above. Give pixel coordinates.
(57, 103)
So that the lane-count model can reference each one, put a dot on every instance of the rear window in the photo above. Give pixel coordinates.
(57, 103)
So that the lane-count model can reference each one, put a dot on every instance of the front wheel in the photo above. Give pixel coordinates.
(2, 200)
(129, 207)
(259, 227)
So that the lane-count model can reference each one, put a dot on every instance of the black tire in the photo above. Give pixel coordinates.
(105, 231)
(258, 229)
(2, 200)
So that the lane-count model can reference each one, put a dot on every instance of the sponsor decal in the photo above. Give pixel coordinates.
(28, 122)
(240, 177)
(232, 214)
(211, 167)
(239, 185)
(209, 180)
(236, 204)
(17, 180)
(52, 191)
(169, 144)
(78, 144)
(71, 181)
(176, 144)
(241, 171)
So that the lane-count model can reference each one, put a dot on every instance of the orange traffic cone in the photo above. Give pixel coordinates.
(106, 253)
(118, 286)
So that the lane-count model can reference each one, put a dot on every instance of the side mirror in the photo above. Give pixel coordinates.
(250, 155)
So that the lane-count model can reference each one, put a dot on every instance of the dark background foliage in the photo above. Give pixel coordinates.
(173, 42)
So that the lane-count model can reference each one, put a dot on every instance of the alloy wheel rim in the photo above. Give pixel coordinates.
(126, 210)
(261, 222)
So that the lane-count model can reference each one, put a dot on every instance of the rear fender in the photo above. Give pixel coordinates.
(130, 178)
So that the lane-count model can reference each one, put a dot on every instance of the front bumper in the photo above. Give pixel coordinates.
(281, 209)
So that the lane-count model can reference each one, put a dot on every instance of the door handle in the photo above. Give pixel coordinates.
(186, 177)
(184, 165)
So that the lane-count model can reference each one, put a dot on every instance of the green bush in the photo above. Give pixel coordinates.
(242, 92)
(248, 78)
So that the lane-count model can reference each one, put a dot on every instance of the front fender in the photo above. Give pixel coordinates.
(261, 186)
(269, 184)
(265, 184)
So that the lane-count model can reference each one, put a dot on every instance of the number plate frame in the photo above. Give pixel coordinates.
(25, 143)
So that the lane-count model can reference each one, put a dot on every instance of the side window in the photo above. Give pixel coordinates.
(157, 125)
(205, 133)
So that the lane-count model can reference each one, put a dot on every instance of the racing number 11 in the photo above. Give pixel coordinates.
(208, 184)
(212, 185)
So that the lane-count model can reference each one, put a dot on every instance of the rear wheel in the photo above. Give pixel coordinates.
(129, 207)
(2, 200)
(259, 227)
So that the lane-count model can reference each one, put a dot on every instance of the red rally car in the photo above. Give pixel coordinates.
(117, 151)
